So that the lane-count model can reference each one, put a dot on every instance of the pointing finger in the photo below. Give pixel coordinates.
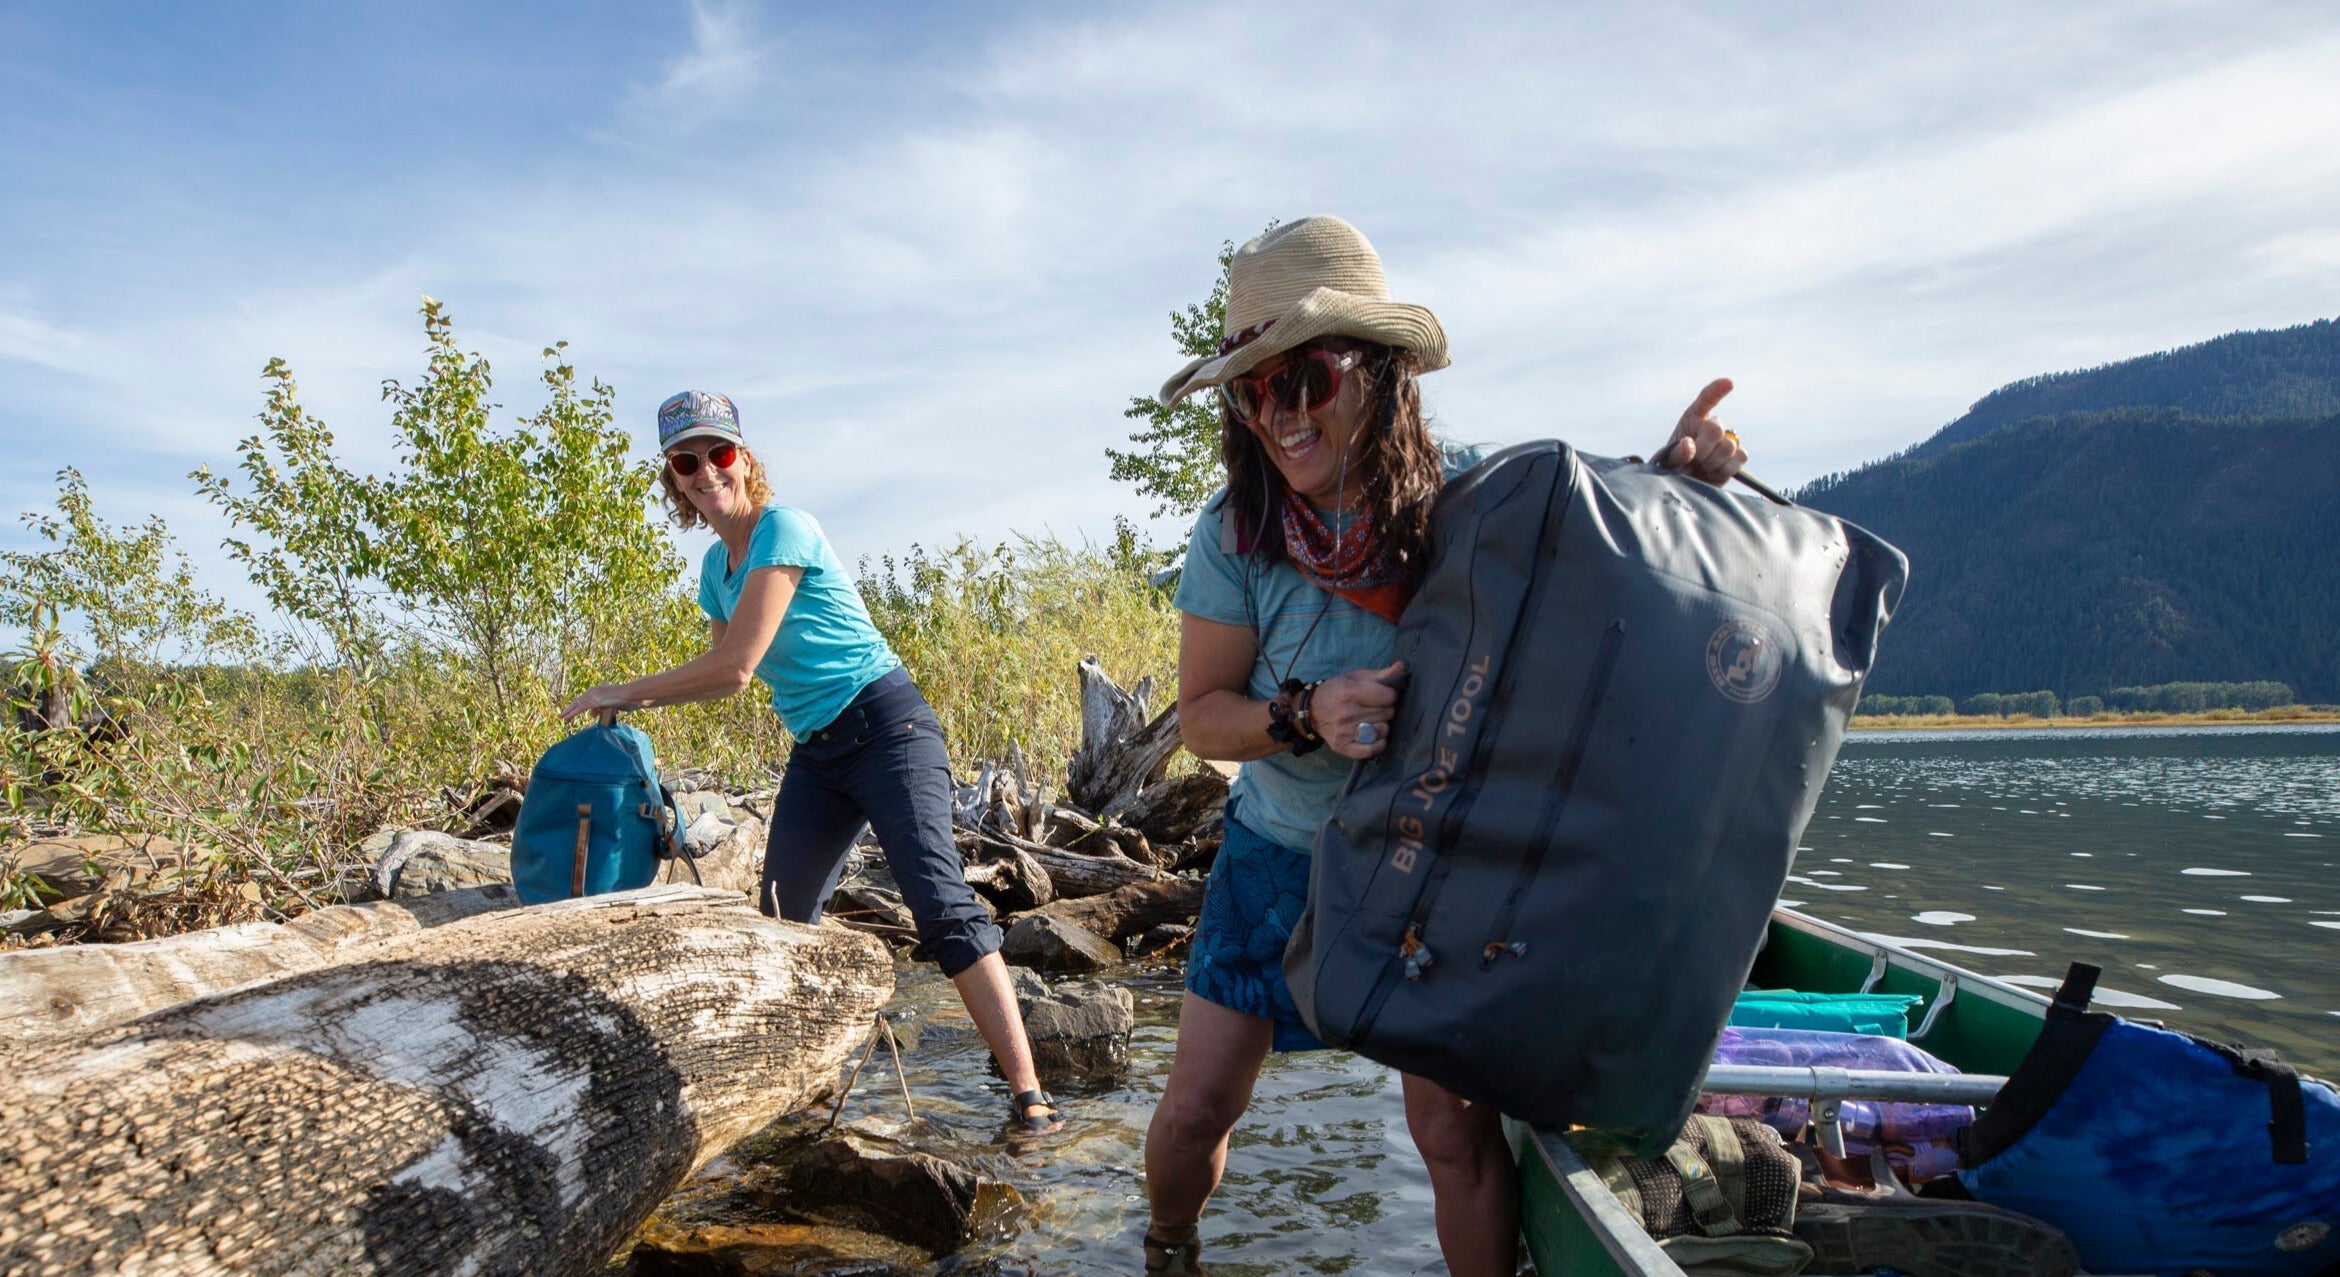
(1708, 398)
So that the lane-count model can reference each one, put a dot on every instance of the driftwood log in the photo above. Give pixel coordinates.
(504, 1094)
(1073, 831)
(1014, 882)
(1174, 810)
(1132, 910)
(1121, 750)
(1073, 875)
(1078, 876)
(48, 994)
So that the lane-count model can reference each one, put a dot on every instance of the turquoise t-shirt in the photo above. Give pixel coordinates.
(827, 649)
(1284, 796)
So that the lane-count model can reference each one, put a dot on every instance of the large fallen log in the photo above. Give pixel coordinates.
(505, 1094)
(47, 994)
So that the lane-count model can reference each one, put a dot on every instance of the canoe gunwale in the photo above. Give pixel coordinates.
(1971, 984)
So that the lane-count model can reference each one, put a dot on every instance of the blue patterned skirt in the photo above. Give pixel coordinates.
(1257, 889)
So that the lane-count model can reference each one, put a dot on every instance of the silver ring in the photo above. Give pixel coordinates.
(1367, 733)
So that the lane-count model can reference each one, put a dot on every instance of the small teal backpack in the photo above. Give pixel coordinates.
(594, 818)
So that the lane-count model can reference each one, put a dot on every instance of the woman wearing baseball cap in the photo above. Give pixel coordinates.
(781, 607)
(1290, 596)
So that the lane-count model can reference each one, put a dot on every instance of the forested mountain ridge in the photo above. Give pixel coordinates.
(2290, 373)
(2093, 550)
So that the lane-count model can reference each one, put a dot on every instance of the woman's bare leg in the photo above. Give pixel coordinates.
(1473, 1182)
(991, 1002)
(1217, 1063)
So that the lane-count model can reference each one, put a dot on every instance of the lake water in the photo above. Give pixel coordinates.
(2195, 865)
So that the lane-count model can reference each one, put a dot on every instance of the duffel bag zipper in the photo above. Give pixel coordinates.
(1588, 708)
(1414, 958)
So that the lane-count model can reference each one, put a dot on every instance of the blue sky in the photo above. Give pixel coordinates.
(930, 251)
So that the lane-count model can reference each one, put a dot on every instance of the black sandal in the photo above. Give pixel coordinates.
(1174, 1259)
(1022, 1118)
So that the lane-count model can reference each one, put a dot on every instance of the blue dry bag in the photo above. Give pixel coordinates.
(594, 818)
(2159, 1152)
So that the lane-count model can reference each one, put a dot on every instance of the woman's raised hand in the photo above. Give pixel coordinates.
(1352, 711)
(1700, 447)
(601, 696)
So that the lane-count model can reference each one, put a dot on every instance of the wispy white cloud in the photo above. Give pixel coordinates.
(932, 273)
(715, 77)
(28, 339)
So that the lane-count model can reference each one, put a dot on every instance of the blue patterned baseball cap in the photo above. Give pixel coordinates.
(695, 414)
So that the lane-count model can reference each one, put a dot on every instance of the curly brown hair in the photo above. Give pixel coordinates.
(685, 515)
(1399, 464)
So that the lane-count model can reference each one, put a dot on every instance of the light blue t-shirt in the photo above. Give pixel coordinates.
(1285, 796)
(827, 649)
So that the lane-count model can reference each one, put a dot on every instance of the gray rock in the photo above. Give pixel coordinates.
(1079, 1029)
(859, 1180)
(1057, 947)
(694, 805)
(423, 862)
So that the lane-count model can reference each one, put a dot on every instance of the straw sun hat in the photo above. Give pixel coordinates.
(1316, 277)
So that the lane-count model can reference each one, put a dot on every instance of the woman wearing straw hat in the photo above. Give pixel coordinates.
(868, 747)
(1291, 591)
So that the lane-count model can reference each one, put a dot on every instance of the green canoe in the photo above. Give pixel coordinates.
(1572, 1223)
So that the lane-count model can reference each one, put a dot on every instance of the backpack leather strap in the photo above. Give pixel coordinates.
(584, 844)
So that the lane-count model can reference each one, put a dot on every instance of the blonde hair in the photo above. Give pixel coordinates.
(685, 515)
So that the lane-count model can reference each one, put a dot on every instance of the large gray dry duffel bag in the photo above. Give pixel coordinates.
(1625, 691)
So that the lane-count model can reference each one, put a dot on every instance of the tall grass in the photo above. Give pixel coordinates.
(993, 636)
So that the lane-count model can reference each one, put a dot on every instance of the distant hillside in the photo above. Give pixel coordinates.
(2293, 373)
(2105, 549)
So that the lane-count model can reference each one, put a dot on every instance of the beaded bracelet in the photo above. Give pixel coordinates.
(1289, 722)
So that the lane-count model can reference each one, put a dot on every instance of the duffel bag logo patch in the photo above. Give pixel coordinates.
(1744, 661)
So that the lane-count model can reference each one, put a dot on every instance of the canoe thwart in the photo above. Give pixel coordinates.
(1828, 1088)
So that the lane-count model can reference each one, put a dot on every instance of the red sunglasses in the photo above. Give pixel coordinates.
(686, 463)
(1307, 381)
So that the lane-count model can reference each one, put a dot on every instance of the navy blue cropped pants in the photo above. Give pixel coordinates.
(882, 760)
